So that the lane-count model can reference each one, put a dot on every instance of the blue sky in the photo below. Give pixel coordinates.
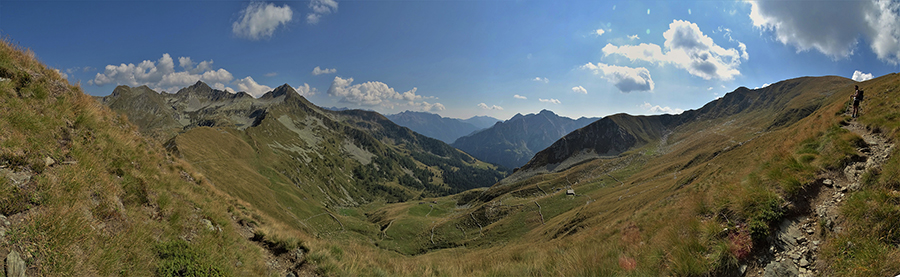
(462, 58)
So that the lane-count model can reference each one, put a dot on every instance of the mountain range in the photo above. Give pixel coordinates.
(442, 128)
(513, 142)
(776, 181)
(283, 138)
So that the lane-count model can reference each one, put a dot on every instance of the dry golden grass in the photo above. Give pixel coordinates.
(112, 198)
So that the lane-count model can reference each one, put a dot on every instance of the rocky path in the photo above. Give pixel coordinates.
(795, 247)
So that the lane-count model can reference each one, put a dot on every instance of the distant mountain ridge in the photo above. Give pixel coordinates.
(442, 128)
(353, 156)
(776, 105)
(513, 142)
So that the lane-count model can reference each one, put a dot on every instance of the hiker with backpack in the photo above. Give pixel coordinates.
(857, 97)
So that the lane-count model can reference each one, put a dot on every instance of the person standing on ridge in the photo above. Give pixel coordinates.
(857, 97)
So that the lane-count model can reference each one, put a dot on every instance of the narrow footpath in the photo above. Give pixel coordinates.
(794, 250)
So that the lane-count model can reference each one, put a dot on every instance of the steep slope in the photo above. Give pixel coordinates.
(435, 126)
(81, 193)
(513, 142)
(774, 106)
(295, 161)
(704, 197)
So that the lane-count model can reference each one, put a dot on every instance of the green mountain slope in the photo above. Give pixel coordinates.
(81, 193)
(704, 193)
(354, 156)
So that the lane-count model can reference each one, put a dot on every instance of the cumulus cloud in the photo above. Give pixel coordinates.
(61, 74)
(492, 107)
(539, 79)
(859, 76)
(599, 32)
(634, 37)
(658, 109)
(579, 89)
(320, 8)
(305, 90)
(833, 28)
(551, 101)
(688, 48)
(259, 20)
(162, 76)
(520, 97)
(428, 107)
(251, 87)
(318, 71)
(377, 94)
(763, 86)
(626, 79)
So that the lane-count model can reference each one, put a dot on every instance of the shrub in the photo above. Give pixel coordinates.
(178, 258)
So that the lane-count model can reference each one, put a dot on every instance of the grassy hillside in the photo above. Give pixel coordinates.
(707, 199)
(83, 193)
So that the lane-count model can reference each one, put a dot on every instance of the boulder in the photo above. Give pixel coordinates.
(779, 269)
(48, 161)
(15, 266)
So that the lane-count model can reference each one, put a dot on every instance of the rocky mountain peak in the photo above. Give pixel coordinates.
(284, 89)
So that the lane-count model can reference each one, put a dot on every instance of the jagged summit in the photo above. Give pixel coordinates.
(513, 142)
(202, 91)
(283, 90)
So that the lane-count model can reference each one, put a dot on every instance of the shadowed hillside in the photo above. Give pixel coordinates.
(441, 128)
(513, 142)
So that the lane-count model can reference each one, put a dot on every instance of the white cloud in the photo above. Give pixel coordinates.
(188, 65)
(61, 74)
(658, 109)
(492, 107)
(259, 20)
(634, 37)
(520, 97)
(318, 71)
(251, 87)
(687, 48)
(579, 89)
(763, 86)
(599, 32)
(319, 9)
(626, 79)
(833, 28)
(271, 74)
(161, 75)
(551, 101)
(860, 77)
(305, 90)
(539, 79)
(428, 107)
(377, 94)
